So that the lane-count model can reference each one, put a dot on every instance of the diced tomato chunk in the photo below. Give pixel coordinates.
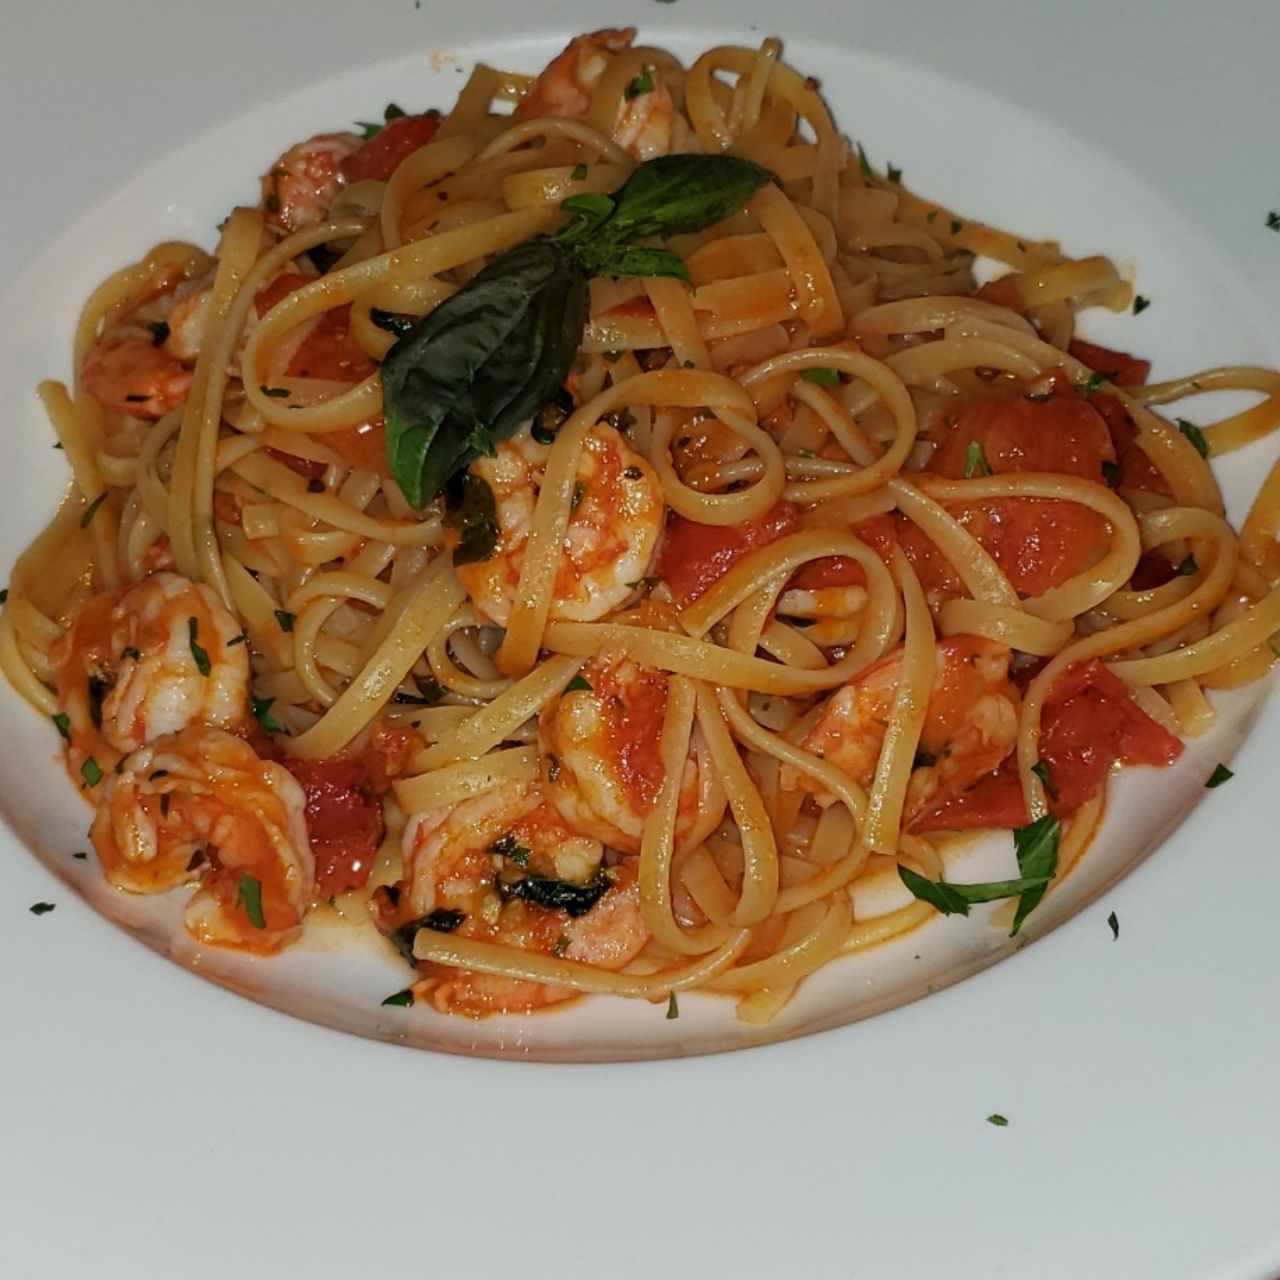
(1089, 723)
(1137, 471)
(1038, 542)
(1004, 292)
(696, 556)
(344, 821)
(382, 155)
(1116, 366)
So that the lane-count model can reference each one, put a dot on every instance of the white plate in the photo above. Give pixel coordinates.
(881, 1119)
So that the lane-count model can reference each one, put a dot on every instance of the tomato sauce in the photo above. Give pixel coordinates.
(344, 821)
(383, 154)
(696, 556)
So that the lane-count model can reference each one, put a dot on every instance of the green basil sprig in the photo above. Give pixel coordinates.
(491, 356)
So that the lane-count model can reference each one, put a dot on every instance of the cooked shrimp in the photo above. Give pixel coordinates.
(610, 541)
(299, 188)
(600, 753)
(128, 372)
(202, 805)
(149, 660)
(482, 868)
(644, 121)
(970, 726)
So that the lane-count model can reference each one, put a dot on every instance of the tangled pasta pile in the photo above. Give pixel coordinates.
(604, 531)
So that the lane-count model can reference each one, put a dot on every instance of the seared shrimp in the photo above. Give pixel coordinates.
(503, 867)
(599, 749)
(612, 534)
(971, 724)
(645, 119)
(299, 188)
(150, 660)
(202, 805)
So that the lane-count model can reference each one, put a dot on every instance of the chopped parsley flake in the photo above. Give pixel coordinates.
(893, 172)
(249, 896)
(975, 460)
(643, 83)
(1045, 774)
(578, 683)
(1111, 474)
(198, 653)
(276, 393)
(92, 509)
(1273, 221)
(1220, 775)
(998, 1120)
(91, 772)
(262, 712)
(62, 722)
(1113, 922)
(673, 1009)
(159, 333)
(579, 173)
(1195, 435)
(1187, 567)
(956, 227)
(41, 908)
(285, 619)
(1140, 304)
(401, 999)
(823, 377)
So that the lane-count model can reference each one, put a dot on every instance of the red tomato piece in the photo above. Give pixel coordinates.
(1117, 366)
(1039, 543)
(1088, 724)
(344, 821)
(696, 556)
(1004, 292)
(382, 155)
(1137, 471)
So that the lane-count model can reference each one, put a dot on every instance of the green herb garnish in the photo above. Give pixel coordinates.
(473, 511)
(975, 460)
(441, 920)
(1140, 304)
(643, 83)
(673, 1009)
(578, 683)
(285, 619)
(62, 722)
(1045, 774)
(1037, 848)
(956, 227)
(249, 896)
(997, 1119)
(262, 713)
(558, 895)
(1111, 474)
(240, 639)
(401, 999)
(91, 772)
(1195, 435)
(41, 908)
(1113, 922)
(1087, 389)
(1219, 775)
(201, 657)
(823, 377)
(507, 846)
(1273, 221)
(159, 333)
(1187, 567)
(92, 509)
(276, 393)
(392, 321)
(579, 173)
(893, 173)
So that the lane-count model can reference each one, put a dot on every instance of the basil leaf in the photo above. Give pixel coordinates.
(1042, 771)
(638, 262)
(682, 193)
(475, 514)
(1037, 849)
(956, 899)
(1195, 435)
(262, 713)
(558, 895)
(391, 321)
(486, 359)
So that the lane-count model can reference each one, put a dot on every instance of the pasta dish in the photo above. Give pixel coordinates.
(605, 537)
